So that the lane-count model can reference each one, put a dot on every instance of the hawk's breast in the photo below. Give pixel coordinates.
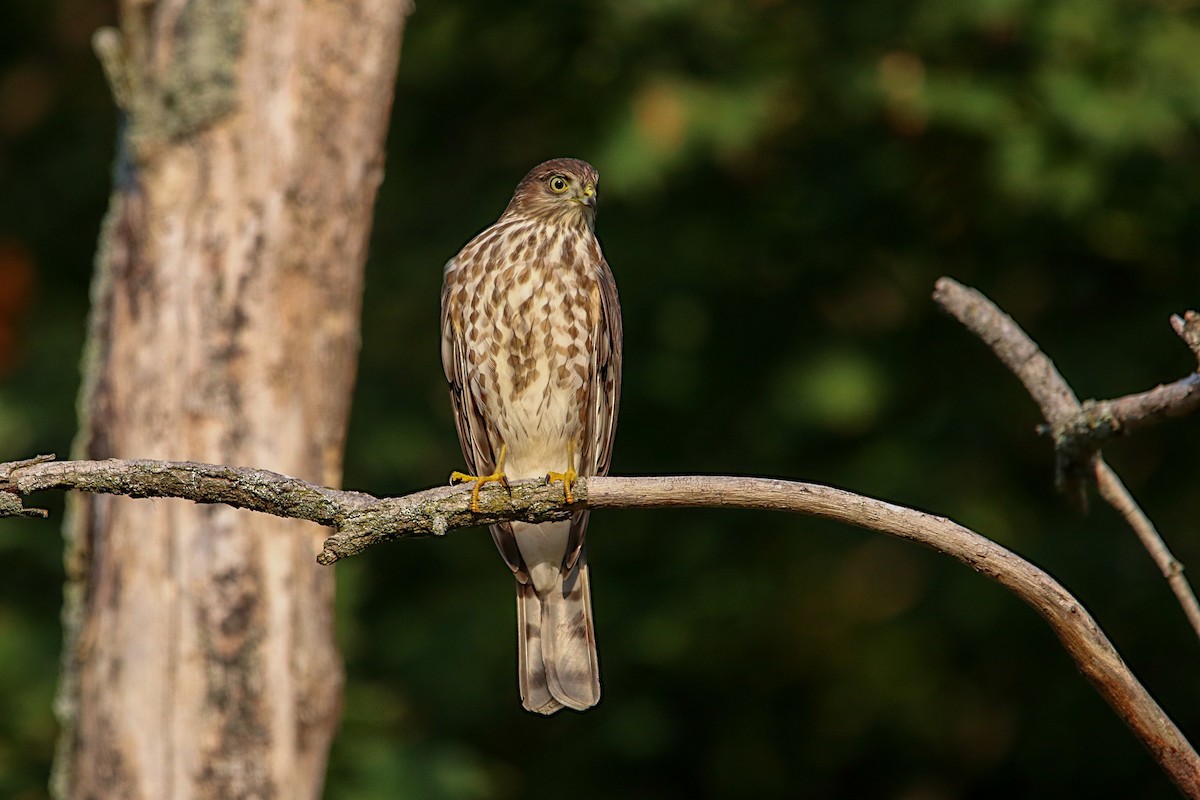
(529, 317)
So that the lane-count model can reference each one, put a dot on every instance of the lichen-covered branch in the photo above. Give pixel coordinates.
(240, 487)
(1080, 428)
(1187, 327)
(361, 520)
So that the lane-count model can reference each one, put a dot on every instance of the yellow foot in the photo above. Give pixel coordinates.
(480, 480)
(567, 477)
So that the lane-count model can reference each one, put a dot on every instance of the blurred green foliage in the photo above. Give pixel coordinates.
(783, 182)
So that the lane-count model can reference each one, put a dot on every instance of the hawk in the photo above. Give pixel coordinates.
(531, 345)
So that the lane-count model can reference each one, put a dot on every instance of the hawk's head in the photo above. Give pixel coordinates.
(561, 190)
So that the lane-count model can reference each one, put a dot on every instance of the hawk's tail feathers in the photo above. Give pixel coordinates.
(557, 660)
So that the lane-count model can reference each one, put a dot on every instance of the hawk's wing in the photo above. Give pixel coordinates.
(603, 400)
(605, 389)
(474, 433)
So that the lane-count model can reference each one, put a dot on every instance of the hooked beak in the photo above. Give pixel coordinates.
(588, 196)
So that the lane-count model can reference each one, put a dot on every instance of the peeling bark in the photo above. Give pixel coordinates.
(199, 658)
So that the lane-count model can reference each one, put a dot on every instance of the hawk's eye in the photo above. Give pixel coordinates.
(558, 184)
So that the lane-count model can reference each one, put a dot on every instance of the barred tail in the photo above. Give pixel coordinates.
(556, 645)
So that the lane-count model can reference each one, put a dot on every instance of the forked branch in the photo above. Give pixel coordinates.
(1080, 428)
(361, 520)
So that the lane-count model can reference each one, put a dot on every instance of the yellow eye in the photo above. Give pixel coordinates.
(558, 184)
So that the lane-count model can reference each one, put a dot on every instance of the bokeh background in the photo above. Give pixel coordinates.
(782, 183)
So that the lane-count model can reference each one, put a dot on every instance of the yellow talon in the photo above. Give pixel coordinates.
(496, 477)
(567, 477)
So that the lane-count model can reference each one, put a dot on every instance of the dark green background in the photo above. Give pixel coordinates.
(782, 184)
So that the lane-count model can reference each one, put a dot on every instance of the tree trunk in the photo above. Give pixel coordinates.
(199, 659)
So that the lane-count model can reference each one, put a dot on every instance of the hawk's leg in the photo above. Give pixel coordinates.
(567, 477)
(480, 480)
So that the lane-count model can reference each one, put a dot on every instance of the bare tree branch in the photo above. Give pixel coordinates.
(1011, 345)
(240, 487)
(1113, 490)
(1188, 328)
(1078, 428)
(1103, 419)
(362, 520)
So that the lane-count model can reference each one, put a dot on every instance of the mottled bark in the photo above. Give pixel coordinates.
(199, 658)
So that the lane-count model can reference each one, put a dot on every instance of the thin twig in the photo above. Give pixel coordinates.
(1070, 423)
(1113, 490)
(362, 520)
(1103, 419)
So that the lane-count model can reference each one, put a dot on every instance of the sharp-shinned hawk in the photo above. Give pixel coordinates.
(531, 345)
